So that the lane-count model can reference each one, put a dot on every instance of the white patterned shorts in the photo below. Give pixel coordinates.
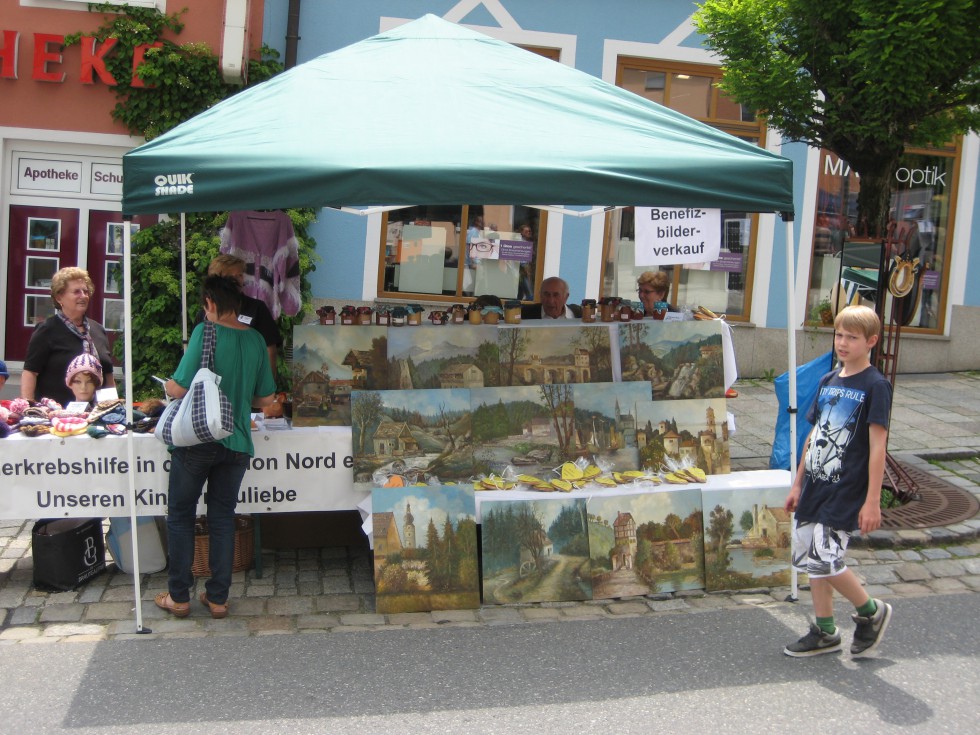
(819, 550)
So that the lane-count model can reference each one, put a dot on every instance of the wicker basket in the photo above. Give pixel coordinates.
(244, 547)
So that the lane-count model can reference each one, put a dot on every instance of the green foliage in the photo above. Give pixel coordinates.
(157, 339)
(861, 78)
(769, 375)
(745, 521)
(181, 79)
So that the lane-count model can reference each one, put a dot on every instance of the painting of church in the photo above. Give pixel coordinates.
(771, 526)
(691, 432)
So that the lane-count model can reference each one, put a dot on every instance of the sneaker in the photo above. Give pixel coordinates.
(869, 630)
(814, 643)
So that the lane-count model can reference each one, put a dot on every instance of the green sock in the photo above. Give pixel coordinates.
(868, 609)
(827, 624)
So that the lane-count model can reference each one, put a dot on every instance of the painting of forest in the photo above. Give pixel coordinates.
(693, 431)
(331, 362)
(679, 359)
(423, 434)
(746, 538)
(646, 543)
(443, 357)
(425, 548)
(530, 428)
(535, 551)
(543, 355)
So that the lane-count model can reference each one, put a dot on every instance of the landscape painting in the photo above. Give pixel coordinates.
(419, 434)
(531, 429)
(535, 551)
(747, 536)
(329, 363)
(545, 355)
(686, 432)
(679, 359)
(646, 543)
(443, 357)
(425, 549)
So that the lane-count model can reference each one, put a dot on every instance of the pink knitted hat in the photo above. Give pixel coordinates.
(84, 363)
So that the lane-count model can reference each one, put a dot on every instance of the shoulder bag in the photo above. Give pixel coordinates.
(204, 414)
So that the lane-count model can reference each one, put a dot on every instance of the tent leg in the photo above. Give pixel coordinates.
(130, 444)
(791, 352)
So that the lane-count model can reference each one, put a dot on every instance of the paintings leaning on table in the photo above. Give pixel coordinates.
(329, 363)
(416, 434)
(646, 543)
(425, 548)
(747, 537)
(679, 359)
(535, 550)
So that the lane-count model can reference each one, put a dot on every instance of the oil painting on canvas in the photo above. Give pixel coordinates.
(331, 362)
(679, 359)
(443, 357)
(425, 548)
(646, 543)
(421, 434)
(688, 432)
(544, 355)
(746, 538)
(535, 550)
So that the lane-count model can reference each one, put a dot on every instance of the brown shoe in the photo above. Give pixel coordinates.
(217, 611)
(179, 609)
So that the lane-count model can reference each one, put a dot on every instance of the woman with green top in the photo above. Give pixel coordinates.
(241, 359)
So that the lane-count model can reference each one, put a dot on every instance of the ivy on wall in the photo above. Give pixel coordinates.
(181, 80)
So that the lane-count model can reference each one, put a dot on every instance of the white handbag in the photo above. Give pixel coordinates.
(204, 414)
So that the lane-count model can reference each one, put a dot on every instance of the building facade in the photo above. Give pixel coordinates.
(60, 182)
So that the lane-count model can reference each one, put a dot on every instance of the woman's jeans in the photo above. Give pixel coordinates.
(223, 470)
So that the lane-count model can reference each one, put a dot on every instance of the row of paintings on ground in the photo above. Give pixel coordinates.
(680, 360)
(459, 434)
(428, 554)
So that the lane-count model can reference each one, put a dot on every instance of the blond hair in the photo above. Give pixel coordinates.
(222, 264)
(860, 319)
(61, 279)
(657, 280)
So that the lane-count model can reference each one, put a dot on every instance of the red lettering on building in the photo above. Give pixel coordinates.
(8, 55)
(139, 53)
(93, 60)
(43, 57)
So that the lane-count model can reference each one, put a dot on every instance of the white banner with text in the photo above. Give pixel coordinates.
(672, 236)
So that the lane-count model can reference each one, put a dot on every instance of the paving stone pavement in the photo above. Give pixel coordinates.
(330, 590)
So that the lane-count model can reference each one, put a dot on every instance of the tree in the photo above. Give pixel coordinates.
(720, 528)
(365, 411)
(861, 78)
(514, 342)
(745, 521)
(558, 398)
(447, 424)
(596, 341)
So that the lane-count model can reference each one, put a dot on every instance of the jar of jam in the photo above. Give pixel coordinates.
(609, 309)
(512, 312)
(327, 315)
(476, 317)
(364, 315)
(492, 314)
(588, 310)
(660, 309)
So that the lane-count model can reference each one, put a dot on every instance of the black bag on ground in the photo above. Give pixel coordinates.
(67, 552)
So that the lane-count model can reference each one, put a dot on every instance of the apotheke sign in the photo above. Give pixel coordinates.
(42, 174)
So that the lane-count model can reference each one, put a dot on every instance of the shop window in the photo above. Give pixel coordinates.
(723, 286)
(844, 270)
(450, 252)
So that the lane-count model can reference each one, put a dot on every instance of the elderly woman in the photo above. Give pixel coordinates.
(653, 286)
(60, 338)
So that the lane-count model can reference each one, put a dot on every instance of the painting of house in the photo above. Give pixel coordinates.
(605, 415)
(328, 363)
(425, 549)
(694, 432)
(418, 433)
(436, 357)
(746, 538)
(680, 360)
(542, 355)
(646, 543)
(535, 550)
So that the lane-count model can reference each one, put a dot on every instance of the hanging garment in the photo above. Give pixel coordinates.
(268, 245)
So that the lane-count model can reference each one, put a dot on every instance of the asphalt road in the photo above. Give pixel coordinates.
(715, 671)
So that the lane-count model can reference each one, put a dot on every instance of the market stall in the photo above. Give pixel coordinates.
(567, 138)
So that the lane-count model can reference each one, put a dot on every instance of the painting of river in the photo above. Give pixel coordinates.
(747, 536)
(679, 359)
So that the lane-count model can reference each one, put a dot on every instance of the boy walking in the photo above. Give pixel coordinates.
(837, 489)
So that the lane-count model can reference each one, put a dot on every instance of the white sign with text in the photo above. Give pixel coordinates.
(672, 235)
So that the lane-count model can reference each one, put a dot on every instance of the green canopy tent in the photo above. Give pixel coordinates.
(432, 112)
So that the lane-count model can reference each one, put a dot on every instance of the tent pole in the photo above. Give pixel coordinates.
(183, 278)
(130, 443)
(791, 349)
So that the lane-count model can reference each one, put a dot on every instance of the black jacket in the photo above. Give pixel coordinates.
(534, 311)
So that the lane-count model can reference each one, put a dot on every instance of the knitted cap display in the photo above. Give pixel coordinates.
(84, 363)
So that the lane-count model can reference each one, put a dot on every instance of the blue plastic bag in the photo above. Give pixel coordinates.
(807, 379)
